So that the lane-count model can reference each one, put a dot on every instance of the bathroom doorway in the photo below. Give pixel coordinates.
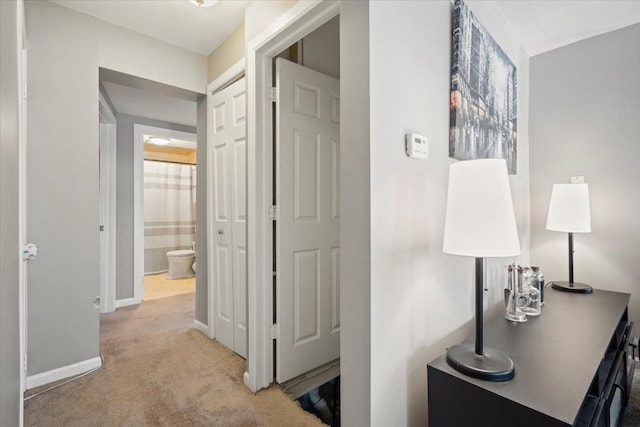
(169, 214)
(155, 186)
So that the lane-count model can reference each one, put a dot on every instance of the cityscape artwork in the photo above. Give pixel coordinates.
(484, 114)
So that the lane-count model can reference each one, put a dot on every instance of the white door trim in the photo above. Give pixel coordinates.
(300, 20)
(108, 174)
(235, 71)
(226, 78)
(22, 199)
(138, 203)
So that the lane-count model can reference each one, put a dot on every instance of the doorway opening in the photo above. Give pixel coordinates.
(306, 310)
(169, 214)
(148, 221)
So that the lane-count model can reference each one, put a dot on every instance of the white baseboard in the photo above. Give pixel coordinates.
(126, 302)
(199, 326)
(64, 372)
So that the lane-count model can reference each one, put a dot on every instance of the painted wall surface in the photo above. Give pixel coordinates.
(142, 56)
(66, 49)
(321, 49)
(10, 393)
(201, 214)
(585, 120)
(355, 216)
(227, 54)
(258, 15)
(124, 196)
(421, 300)
(62, 197)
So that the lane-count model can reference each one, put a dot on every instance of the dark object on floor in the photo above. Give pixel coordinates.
(324, 402)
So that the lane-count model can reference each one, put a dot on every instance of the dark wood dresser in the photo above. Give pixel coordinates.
(574, 366)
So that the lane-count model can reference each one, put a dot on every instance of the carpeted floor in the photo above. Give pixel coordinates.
(160, 372)
(631, 417)
(157, 286)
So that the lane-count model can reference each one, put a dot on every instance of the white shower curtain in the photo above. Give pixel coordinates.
(169, 212)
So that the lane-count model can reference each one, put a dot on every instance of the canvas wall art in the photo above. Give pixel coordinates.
(484, 116)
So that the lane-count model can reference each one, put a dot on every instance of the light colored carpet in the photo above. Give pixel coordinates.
(631, 417)
(157, 286)
(160, 372)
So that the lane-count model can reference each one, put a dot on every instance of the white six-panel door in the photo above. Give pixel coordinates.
(308, 226)
(228, 250)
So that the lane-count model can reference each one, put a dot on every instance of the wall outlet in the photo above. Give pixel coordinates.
(577, 179)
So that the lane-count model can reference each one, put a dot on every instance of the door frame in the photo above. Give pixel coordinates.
(138, 203)
(300, 20)
(108, 142)
(224, 80)
(22, 198)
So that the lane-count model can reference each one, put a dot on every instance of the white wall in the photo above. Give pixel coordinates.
(258, 15)
(66, 49)
(585, 115)
(421, 299)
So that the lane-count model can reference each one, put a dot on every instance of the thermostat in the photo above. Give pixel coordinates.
(417, 146)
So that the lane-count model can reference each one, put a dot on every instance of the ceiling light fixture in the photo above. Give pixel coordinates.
(158, 141)
(204, 3)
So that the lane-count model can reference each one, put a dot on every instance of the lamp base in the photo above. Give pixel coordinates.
(491, 366)
(576, 287)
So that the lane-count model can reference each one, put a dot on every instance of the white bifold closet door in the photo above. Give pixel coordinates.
(308, 225)
(227, 160)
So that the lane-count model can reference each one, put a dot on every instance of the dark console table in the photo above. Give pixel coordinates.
(574, 367)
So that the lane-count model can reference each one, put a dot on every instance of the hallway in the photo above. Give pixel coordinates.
(158, 371)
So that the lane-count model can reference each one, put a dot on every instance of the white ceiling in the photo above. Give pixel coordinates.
(542, 25)
(177, 22)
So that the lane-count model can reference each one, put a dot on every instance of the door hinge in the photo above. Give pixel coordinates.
(274, 331)
(24, 91)
(274, 213)
(24, 361)
(273, 94)
(102, 228)
(273, 273)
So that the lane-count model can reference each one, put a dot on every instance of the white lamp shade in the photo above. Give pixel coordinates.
(480, 221)
(569, 208)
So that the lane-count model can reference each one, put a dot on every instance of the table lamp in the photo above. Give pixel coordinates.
(480, 222)
(569, 212)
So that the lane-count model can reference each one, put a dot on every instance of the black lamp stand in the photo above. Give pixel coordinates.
(478, 362)
(571, 286)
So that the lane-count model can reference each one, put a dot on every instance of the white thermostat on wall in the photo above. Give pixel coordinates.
(417, 146)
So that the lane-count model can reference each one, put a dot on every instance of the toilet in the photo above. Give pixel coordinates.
(180, 264)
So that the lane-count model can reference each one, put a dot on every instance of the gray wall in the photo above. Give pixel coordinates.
(585, 120)
(405, 301)
(10, 395)
(62, 196)
(355, 221)
(321, 49)
(124, 196)
(66, 49)
(201, 215)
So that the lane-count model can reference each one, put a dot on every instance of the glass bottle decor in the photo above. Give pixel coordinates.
(531, 288)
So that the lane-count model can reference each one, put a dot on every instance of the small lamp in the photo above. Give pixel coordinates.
(480, 222)
(569, 212)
